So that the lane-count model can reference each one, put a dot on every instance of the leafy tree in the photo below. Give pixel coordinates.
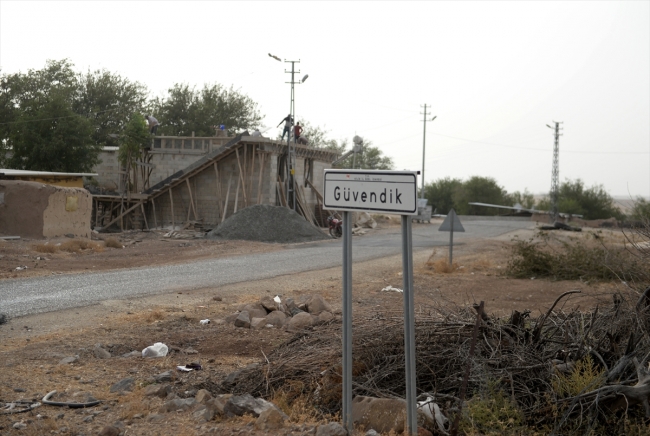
(40, 130)
(318, 138)
(526, 199)
(110, 100)
(640, 210)
(371, 158)
(440, 193)
(52, 138)
(185, 110)
(479, 189)
(132, 144)
(592, 203)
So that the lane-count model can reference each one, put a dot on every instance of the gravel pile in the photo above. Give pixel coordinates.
(266, 223)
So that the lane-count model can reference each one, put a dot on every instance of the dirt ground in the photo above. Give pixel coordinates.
(32, 347)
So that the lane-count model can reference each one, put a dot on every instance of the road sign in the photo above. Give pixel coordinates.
(451, 223)
(371, 191)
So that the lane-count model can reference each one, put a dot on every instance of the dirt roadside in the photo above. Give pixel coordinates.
(31, 347)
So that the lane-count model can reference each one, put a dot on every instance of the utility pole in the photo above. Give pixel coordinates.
(555, 174)
(424, 142)
(291, 186)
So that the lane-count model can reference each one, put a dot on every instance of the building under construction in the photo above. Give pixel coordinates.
(203, 180)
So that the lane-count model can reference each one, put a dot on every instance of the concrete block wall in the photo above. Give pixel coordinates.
(108, 170)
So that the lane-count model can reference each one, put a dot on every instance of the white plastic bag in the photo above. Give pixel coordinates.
(156, 350)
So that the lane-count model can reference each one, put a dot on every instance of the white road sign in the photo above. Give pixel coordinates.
(371, 191)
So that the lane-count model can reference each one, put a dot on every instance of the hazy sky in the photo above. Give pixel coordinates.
(494, 73)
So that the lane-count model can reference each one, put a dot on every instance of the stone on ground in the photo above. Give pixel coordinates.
(317, 304)
(300, 321)
(126, 384)
(380, 414)
(331, 429)
(243, 320)
(270, 419)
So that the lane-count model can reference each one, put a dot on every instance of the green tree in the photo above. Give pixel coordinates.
(185, 110)
(440, 193)
(641, 210)
(52, 138)
(526, 199)
(482, 190)
(592, 203)
(132, 144)
(109, 99)
(40, 129)
(318, 137)
(371, 158)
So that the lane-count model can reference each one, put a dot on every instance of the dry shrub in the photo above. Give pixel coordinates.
(77, 245)
(154, 315)
(45, 248)
(134, 405)
(112, 243)
(293, 401)
(442, 266)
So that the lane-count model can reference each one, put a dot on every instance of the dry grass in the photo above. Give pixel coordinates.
(134, 405)
(153, 316)
(45, 248)
(441, 266)
(77, 245)
(113, 243)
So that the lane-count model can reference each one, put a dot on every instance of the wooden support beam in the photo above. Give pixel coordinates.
(259, 183)
(189, 189)
(144, 216)
(227, 195)
(216, 174)
(155, 221)
(241, 176)
(124, 212)
(250, 192)
(171, 200)
(237, 194)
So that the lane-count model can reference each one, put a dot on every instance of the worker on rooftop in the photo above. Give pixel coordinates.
(297, 130)
(288, 122)
(153, 124)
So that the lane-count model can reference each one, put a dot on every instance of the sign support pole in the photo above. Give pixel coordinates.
(451, 244)
(409, 326)
(347, 322)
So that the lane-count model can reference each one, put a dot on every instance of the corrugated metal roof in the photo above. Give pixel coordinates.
(25, 173)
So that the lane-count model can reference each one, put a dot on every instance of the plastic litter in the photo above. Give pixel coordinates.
(156, 350)
(189, 367)
(204, 321)
(390, 288)
(20, 268)
(277, 299)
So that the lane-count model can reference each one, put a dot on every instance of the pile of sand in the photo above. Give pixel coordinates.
(266, 223)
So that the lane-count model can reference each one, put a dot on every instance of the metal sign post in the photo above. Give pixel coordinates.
(451, 224)
(384, 192)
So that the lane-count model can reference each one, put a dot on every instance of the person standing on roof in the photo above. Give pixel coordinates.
(288, 122)
(153, 124)
(297, 130)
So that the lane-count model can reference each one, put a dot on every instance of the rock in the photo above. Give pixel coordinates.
(133, 353)
(89, 418)
(69, 360)
(202, 396)
(270, 419)
(231, 318)
(424, 432)
(380, 414)
(101, 353)
(290, 305)
(300, 321)
(217, 298)
(109, 430)
(243, 320)
(155, 417)
(219, 403)
(269, 303)
(204, 413)
(19, 425)
(331, 429)
(276, 319)
(3, 318)
(189, 350)
(254, 310)
(258, 323)
(157, 390)
(247, 405)
(125, 384)
(316, 305)
(177, 404)
(222, 321)
(371, 432)
(325, 317)
(164, 377)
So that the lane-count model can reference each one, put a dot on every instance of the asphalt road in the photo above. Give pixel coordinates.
(20, 297)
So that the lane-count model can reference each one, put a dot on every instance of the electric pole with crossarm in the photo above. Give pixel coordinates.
(424, 142)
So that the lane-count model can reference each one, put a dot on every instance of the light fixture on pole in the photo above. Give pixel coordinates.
(424, 142)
